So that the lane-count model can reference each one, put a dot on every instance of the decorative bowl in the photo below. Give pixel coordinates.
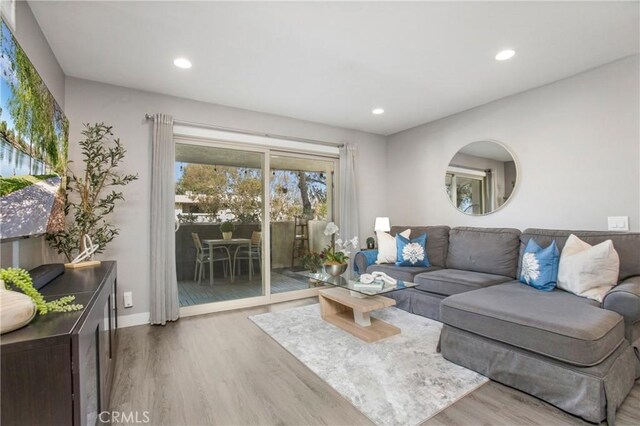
(336, 270)
(16, 310)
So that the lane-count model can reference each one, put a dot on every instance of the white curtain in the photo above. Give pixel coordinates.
(164, 284)
(348, 214)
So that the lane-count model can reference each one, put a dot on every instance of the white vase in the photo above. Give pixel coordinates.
(227, 235)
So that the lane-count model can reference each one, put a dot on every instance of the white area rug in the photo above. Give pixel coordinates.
(400, 380)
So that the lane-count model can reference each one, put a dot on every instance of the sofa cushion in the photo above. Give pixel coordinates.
(453, 281)
(411, 252)
(404, 273)
(437, 241)
(556, 324)
(387, 248)
(540, 266)
(627, 244)
(586, 270)
(490, 250)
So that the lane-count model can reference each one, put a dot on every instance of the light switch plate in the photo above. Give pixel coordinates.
(128, 299)
(618, 223)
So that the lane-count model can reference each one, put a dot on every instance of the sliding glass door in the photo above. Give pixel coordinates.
(242, 232)
(468, 191)
(220, 211)
(301, 195)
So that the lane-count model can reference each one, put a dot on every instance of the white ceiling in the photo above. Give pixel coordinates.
(333, 62)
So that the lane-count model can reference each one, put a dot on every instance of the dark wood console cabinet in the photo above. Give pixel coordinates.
(58, 369)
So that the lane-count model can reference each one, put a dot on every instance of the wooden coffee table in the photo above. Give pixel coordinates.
(352, 314)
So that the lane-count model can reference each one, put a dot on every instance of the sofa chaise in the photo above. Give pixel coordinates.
(575, 353)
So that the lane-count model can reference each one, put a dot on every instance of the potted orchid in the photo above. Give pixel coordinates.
(336, 255)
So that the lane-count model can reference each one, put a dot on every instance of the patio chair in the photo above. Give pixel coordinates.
(251, 253)
(203, 257)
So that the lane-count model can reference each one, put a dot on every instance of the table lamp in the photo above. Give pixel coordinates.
(382, 224)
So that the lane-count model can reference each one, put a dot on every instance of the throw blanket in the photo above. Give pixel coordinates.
(370, 257)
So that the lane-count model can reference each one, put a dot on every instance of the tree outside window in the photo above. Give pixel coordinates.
(235, 193)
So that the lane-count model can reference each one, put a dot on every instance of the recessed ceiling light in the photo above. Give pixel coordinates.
(377, 111)
(505, 54)
(182, 63)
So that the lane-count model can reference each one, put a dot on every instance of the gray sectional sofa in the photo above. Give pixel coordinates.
(573, 352)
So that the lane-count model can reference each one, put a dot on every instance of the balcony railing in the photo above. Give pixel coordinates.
(282, 237)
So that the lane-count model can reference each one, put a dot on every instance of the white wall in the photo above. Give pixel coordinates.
(577, 143)
(124, 108)
(32, 251)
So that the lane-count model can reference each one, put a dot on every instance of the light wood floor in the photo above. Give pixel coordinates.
(222, 369)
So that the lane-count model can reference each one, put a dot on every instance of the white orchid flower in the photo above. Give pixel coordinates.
(354, 242)
(331, 229)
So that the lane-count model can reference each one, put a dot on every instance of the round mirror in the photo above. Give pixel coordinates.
(481, 177)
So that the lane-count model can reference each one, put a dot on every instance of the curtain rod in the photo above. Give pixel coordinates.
(250, 132)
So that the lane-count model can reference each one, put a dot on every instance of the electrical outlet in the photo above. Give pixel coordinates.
(618, 223)
(128, 299)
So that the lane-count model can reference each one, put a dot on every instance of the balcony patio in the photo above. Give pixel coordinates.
(283, 276)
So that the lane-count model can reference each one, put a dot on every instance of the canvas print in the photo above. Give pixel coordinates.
(34, 135)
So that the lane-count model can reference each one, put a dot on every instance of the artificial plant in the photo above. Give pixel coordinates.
(19, 279)
(311, 261)
(90, 196)
(371, 242)
(337, 252)
(227, 227)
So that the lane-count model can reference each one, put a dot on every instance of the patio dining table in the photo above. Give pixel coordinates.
(222, 242)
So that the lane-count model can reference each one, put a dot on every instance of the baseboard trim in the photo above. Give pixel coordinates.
(132, 320)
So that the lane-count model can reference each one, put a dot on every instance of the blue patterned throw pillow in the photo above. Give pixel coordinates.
(412, 252)
(540, 266)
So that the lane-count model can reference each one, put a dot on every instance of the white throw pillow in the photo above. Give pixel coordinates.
(586, 270)
(387, 251)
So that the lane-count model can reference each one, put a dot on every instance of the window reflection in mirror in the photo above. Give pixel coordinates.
(481, 177)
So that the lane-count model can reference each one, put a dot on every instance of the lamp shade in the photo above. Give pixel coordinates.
(382, 224)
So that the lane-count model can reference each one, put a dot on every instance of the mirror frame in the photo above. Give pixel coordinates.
(515, 188)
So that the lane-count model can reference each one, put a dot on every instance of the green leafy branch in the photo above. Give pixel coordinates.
(19, 279)
(102, 155)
